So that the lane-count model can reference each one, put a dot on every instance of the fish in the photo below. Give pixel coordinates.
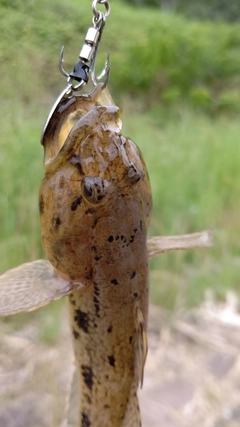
(95, 206)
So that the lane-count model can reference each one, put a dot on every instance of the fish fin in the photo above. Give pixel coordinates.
(141, 345)
(160, 244)
(30, 286)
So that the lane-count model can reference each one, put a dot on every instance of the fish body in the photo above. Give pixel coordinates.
(95, 204)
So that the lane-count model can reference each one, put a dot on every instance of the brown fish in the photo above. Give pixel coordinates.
(95, 204)
(94, 228)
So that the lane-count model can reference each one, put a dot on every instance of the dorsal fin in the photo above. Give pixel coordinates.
(141, 345)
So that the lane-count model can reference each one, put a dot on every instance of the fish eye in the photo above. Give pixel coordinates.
(87, 189)
(94, 189)
(133, 174)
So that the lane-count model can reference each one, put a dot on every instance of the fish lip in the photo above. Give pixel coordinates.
(81, 129)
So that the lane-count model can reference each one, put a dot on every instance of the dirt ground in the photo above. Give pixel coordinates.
(192, 375)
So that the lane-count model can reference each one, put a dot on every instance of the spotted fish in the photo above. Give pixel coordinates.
(95, 205)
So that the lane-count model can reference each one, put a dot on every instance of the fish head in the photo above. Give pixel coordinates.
(89, 169)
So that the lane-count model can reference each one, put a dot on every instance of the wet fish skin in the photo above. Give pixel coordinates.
(94, 230)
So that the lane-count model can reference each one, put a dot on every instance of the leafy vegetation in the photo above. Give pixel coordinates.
(159, 57)
(178, 83)
(205, 9)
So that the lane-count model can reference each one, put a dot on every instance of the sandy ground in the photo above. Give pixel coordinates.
(192, 375)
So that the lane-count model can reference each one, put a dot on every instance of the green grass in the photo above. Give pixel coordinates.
(160, 57)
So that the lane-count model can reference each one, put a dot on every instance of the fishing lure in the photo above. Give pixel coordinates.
(95, 205)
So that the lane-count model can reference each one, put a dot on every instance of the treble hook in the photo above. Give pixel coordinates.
(81, 71)
(88, 55)
(105, 72)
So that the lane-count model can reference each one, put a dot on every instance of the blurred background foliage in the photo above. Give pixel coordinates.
(176, 74)
(205, 9)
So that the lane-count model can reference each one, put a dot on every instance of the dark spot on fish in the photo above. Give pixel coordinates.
(106, 376)
(75, 161)
(41, 204)
(141, 227)
(81, 318)
(72, 300)
(76, 203)
(85, 420)
(130, 340)
(106, 407)
(133, 275)
(117, 237)
(95, 325)
(90, 211)
(110, 239)
(87, 376)
(56, 221)
(97, 307)
(97, 258)
(135, 230)
(114, 281)
(94, 248)
(135, 294)
(79, 168)
(122, 237)
(132, 239)
(75, 334)
(125, 240)
(111, 360)
(95, 222)
(109, 329)
(89, 275)
(127, 245)
(96, 289)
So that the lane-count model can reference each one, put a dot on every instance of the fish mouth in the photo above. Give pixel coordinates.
(70, 114)
(67, 111)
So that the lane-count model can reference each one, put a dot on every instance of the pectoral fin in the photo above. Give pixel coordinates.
(30, 286)
(158, 245)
